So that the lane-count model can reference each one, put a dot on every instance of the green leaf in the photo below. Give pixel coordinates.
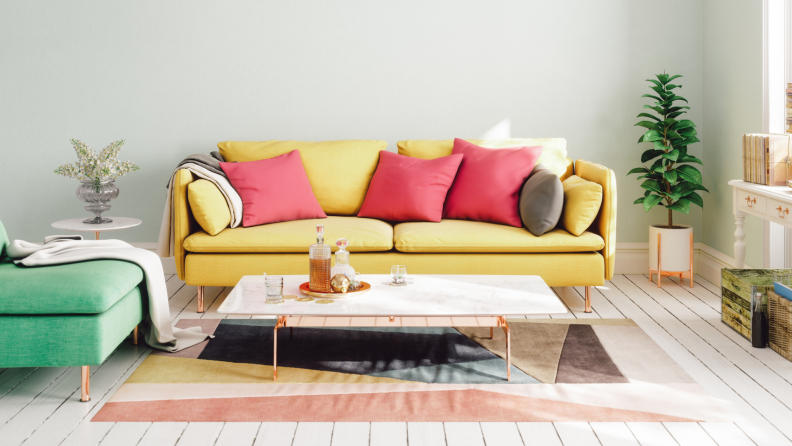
(670, 176)
(653, 97)
(683, 205)
(651, 135)
(674, 77)
(685, 188)
(657, 166)
(676, 109)
(662, 77)
(695, 199)
(640, 200)
(690, 159)
(675, 114)
(646, 193)
(689, 173)
(653, 186)
(658, 145)
(690, 131)
(672, 156)
(678, 98)
(670, 87)
(659, 110)
(647, 115)
(650, 155)
(673, 135)
(638, 170)
(691, 139)
(647, 124)
(650, 202)
(683, 124)
(655, 82)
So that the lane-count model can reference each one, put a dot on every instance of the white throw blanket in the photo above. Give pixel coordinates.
(59, 250)
(166, 242)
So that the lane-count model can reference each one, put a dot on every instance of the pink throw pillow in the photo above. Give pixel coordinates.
(409, 189)
(273, 190)
(487, 186)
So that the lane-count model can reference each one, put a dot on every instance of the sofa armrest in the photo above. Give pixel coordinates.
(183, 222)
(605, 223)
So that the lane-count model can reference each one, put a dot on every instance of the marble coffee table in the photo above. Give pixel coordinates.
(489, 298)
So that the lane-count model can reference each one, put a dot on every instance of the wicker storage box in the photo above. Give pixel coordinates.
(737, 288)
(779, 312)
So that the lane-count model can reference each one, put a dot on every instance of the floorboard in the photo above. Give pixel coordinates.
(42, 407)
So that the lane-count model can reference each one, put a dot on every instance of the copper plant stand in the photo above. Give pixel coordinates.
(681, 274)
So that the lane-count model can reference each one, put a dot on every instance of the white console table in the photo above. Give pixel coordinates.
(771, 203)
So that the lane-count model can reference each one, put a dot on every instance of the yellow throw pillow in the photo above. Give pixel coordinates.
(209, 206)
(339, 171)
(582, 201)
(428, 149)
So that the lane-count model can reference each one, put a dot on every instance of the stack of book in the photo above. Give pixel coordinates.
(765, 158)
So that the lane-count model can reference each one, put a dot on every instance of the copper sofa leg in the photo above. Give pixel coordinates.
(85, 383)
(200, 298)
(135, 336)
(588, 299)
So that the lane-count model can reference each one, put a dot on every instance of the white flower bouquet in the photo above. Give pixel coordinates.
(91, 166)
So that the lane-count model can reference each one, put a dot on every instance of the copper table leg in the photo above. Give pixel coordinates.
(502, 322)
(135, 336)
(85, 384)
(281, 323)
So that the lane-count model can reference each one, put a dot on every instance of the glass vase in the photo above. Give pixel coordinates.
(97, 194)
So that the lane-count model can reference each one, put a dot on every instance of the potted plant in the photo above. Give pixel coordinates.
(97, 173)
(669, 178)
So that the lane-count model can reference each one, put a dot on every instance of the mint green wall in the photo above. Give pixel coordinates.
(176, 77)
(732, 106)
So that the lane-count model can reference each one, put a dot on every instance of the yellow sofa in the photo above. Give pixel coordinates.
(448, 247)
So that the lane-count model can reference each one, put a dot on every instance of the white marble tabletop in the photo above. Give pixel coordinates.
(428, 295)
(77, 225)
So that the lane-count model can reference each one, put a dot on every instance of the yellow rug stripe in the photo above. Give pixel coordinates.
(163, 369)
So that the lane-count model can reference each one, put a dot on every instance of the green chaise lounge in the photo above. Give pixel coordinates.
(67, 315)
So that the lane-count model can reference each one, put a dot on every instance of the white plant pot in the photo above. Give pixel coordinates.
(674, 248)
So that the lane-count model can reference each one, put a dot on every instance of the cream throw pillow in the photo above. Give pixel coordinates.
(582, 201)
(209, 206)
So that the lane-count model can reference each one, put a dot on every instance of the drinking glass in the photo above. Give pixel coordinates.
(274, 286)
(358, 281)
(399, 273)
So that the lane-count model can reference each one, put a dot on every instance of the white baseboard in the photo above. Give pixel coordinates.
(633, 258)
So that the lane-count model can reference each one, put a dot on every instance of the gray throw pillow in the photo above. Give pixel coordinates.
(541, 201)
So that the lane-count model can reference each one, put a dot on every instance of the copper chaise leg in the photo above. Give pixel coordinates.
(135, 336)
(200, 298)
(85, 383)
(588, 299)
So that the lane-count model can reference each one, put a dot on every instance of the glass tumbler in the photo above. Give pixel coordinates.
(399, 273)
(274, 286)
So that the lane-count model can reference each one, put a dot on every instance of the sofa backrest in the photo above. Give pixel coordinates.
(554, 155)
(339, 171)
(3, 241)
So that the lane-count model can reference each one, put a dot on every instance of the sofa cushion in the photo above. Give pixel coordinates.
(339, 171)
(409, 189)
(273, 190)
(582, 201)
(75, 288)
(475, 236)
(364, 235)
(209, 206)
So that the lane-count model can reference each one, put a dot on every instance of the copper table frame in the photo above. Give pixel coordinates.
(501, 320)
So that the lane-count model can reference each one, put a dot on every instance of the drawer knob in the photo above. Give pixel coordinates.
(782, 213)
(750, 201)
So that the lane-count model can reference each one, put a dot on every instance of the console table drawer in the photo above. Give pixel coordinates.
(778, 211)
(751, 201)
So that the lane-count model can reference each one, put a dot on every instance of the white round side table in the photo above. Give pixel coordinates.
(77, 225)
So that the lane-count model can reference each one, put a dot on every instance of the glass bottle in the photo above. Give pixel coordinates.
(760, 326)
(342, 265)
(319, 263)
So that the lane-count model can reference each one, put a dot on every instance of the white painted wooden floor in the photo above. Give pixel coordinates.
(42, 407)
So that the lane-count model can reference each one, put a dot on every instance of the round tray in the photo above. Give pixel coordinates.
(305, 289)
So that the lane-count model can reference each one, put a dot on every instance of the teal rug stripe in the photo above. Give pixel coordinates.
(491, 371)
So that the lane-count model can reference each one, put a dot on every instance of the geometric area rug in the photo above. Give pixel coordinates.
(562, 370)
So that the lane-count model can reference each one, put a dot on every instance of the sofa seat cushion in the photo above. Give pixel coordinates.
(476, 236)
(75, 288)
(364, 235)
